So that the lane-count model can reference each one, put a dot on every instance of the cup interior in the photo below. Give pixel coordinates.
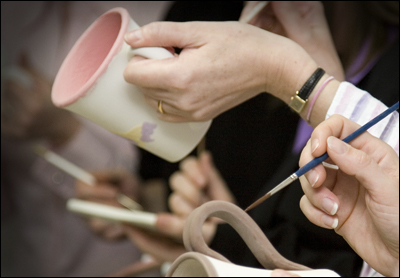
(89, 57)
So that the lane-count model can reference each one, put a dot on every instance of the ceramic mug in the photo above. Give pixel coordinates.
(90, 83)
(194, 264)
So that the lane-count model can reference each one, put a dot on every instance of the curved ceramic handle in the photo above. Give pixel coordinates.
(250, 232)
(150, 53)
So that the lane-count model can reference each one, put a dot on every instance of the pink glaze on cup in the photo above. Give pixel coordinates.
(90, 57)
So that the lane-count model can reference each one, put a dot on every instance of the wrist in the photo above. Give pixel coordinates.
(292, 72)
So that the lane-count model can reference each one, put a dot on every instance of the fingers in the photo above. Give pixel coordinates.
(321, 198)
(192, 168)
(106, 229)
(187, 186)
(151, 73)
(360, 159)
(173, 226)
(97, 192)
(337, 126)
(170, 112)
(163, 249)
(165, 34)
(317, 176)
(359, 164)
(179, 205)
(316, 216)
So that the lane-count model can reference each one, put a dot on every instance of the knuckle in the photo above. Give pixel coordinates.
(362, 159)
(174, 180)
(181, 81)
(151, 30)
(185, 164)
(200, 115)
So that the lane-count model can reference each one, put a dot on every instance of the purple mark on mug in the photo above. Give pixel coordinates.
(147, 131)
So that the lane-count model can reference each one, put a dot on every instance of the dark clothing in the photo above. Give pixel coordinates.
(252, 148)
(280, 217)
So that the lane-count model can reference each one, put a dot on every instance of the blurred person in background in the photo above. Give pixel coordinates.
(39, 236)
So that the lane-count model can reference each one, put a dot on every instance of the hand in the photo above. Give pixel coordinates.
(109, 185)
(222, 64)
(303, 22)
(361, 200)
(28, 113)
(197, 182)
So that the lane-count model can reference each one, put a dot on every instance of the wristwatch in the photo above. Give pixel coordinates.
(299, 101)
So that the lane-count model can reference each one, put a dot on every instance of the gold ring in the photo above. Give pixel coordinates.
(160, 107)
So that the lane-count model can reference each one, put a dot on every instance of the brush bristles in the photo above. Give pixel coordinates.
(259, 201)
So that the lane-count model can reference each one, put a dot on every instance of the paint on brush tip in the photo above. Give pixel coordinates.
(259, 201)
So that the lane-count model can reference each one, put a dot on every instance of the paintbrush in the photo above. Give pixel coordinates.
(80, 174)
(316, 161)
(137, 218)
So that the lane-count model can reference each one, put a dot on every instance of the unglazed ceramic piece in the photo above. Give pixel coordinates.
(194, 264)
(202, 261)
(250, 232)
(90, 83)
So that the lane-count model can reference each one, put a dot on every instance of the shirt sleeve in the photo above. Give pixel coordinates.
(360, 107)
(368, 271)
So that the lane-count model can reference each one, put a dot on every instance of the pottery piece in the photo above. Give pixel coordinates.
(90, 83)
(203, 261)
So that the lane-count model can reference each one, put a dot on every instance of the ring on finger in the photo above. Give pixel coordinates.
(160, 108)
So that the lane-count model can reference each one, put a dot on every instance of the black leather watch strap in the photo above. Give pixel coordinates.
(299, 101)
(309, 86)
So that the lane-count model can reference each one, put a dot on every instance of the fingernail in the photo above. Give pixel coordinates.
(330, 166)
(337, 145)
(314, 145)
(329, 206)
(312, 177)
(331, 222)
(134, 36)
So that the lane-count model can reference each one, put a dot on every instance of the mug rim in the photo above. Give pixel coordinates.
(80, 92)
(202, 259)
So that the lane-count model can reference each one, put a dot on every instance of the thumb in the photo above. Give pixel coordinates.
(356, 163)
(162, 34)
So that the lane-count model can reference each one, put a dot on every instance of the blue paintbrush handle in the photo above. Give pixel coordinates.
(349, 138)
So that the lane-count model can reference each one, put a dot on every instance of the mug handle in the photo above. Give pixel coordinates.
(157, 53)
(249, 231)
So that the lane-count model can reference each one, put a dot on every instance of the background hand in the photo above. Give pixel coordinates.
(28, 113)
(109, 185)
(197, 181)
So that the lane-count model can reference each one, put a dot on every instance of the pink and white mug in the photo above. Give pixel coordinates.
(90, 83)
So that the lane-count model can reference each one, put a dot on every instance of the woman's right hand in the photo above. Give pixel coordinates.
(360, 201)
